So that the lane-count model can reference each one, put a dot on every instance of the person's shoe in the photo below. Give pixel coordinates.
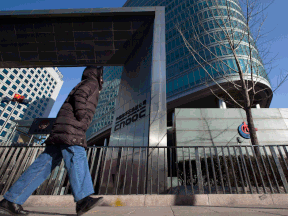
(10, 208)
(86, 204)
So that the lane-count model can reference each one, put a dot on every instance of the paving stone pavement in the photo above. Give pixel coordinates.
(163, 211)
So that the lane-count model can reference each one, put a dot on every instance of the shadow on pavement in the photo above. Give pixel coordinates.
(49, 213)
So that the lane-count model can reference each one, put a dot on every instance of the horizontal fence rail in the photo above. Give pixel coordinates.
(161, 170)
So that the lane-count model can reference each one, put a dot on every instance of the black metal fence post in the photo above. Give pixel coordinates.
(210, 170)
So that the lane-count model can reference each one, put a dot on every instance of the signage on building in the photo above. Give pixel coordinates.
(132, 115)
(243, 130)
(42, 126)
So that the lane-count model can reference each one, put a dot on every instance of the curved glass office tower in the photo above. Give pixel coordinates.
(185, 77)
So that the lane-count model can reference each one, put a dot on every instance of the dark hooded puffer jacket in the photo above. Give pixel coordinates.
(76, 113)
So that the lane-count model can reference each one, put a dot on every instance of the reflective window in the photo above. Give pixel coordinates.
(3, 134)
(5, 71)
(8, 82)
(4, 88)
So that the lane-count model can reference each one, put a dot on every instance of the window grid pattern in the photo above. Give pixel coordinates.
(106, 106)
(183, 72)
(16, 80)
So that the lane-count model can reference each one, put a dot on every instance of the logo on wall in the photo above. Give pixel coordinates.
(132, 115)
(243, 130)
(42, 126)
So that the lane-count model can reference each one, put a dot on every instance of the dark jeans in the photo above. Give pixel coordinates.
(76, 164)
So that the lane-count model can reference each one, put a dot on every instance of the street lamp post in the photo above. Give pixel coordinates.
(17, 99)
(7, 120)
(7, 100)
(12, 132)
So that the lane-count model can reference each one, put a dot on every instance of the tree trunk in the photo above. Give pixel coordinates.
(251, 127)
(252, 132)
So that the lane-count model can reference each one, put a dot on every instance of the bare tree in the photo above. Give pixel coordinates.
(223, 41)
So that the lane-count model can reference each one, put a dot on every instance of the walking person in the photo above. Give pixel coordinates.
(67, 140)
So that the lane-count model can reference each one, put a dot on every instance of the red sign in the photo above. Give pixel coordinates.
(245, 128)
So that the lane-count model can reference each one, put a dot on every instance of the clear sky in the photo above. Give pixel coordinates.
(275, 25)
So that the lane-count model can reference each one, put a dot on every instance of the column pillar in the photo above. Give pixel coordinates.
(222, 104)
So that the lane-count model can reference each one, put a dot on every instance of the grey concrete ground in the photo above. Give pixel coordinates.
(164, 205)
(163, 211)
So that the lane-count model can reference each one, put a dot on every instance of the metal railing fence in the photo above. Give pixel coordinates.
(161, 170)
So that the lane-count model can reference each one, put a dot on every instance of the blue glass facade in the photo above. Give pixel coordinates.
(197, 16)
(183, 72)
(106, 106)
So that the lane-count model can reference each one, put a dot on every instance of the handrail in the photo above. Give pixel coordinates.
(183, 170)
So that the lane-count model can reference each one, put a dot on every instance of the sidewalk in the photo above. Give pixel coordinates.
(163, 205)
(163, 211)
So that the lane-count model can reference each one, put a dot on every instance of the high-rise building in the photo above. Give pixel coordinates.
(39, 85)
(104, 114)
(185, 78)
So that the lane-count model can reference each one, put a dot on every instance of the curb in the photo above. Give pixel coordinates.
(163, 200)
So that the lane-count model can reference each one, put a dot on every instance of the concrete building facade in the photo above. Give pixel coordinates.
(39, 85)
